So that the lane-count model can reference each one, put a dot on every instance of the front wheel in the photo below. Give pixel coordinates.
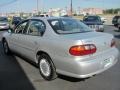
(5, 47)
(119, 27)
(46, 67)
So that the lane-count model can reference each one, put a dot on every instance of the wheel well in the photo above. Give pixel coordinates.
(40, 53)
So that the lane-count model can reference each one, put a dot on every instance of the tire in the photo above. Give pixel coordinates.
(6, 47)
(102, 30)
(116, 25)
(119, 27)
(46, 67)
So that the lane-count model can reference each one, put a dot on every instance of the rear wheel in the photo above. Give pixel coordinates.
(119, 27)
(46, 67)
(5, 47)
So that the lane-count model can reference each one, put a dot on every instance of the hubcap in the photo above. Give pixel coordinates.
(45, 67)
(5, 47)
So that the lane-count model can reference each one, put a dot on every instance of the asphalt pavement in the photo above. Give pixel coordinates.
(18, 74)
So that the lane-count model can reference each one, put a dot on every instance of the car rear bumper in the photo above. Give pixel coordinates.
(4, 27)
(100, 30)
(83, 68)
(97, 28)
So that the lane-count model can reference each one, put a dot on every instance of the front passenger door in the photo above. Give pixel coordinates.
(16, 37)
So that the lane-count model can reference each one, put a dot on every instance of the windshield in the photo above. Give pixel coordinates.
(3, 19)
(68, 26)
(92, 19)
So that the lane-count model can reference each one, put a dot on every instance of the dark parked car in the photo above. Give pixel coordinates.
(119, 24)
(94, 22)
(16, 20)
(115, 21)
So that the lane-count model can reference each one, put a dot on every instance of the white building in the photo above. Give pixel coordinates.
(57, 12)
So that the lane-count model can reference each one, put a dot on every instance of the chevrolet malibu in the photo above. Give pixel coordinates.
(62, 45)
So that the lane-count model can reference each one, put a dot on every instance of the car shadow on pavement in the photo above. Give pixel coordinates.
(12, 76)
(71, 79)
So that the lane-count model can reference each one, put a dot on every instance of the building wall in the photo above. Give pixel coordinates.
(92, 11)
(57, 12)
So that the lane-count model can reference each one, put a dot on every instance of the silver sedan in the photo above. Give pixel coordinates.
(4, 24)
(62, 45)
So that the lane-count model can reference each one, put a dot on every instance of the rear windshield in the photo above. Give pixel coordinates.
(17, 18)
(92, 18)
(116, 17)
(43, 15)
(3, 19)
(68, 26)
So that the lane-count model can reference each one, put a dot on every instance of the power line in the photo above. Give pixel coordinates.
(8, 3)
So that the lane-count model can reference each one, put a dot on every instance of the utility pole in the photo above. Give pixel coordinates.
(37, 6)
(71, 8)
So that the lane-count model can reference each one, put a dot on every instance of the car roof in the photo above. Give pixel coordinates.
(92, 16)
(3, 17)
(48, 18)
(117, 16)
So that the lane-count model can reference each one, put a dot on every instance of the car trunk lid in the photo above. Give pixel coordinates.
(102, 41)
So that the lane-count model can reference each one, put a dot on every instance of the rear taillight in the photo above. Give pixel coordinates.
(113, 42)
(81, 50)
